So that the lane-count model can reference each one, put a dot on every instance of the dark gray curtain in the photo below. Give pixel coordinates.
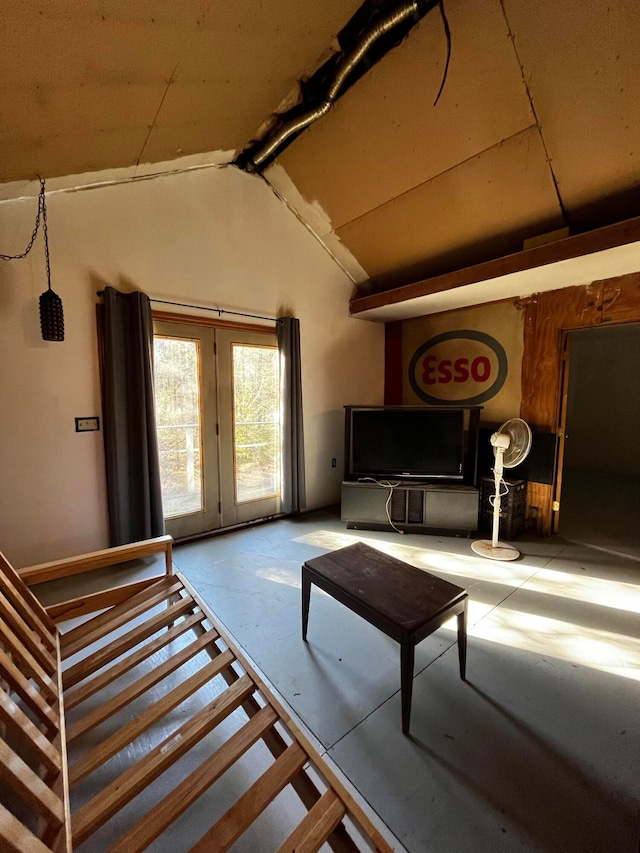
(131, 442)
(293, 477)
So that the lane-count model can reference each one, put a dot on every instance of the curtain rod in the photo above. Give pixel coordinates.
(218, 311)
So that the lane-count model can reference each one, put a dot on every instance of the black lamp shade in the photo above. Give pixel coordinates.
(51, 316)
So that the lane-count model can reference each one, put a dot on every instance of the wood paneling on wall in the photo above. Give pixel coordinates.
(621, 299)
(547, 316)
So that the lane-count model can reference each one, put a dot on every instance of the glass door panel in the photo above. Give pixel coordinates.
(256, 422)
(218, 414)
(177, 371)
(186, 421)
(248, 401)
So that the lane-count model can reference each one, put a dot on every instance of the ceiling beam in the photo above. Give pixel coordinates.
(563, 263)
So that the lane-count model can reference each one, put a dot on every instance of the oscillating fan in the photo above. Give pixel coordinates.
(511, 445)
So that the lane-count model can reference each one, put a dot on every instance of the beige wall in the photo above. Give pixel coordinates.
(502, 321)
(211, 236)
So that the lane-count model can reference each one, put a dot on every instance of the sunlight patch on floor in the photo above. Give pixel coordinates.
(328, 539)
(615, 594)
(287, 577)
(622, 596)
(510, 574)
(613, 653)
(467, 565)
(476, 610)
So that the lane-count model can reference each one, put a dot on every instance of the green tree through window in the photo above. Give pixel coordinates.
(256, 422)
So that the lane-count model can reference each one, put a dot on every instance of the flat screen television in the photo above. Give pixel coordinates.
(404, 443)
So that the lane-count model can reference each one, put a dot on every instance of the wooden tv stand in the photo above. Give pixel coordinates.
(414, 507)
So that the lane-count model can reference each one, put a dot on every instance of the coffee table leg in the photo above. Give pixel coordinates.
(407, 651)
(306, 595)
(462, 642)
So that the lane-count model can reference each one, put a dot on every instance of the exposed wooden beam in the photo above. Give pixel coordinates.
(567, 249)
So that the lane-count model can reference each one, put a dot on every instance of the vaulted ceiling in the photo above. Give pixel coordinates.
(537, 128)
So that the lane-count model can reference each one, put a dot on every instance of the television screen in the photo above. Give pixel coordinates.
(406, 443)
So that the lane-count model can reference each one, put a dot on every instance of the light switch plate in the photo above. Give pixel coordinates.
(87, 424)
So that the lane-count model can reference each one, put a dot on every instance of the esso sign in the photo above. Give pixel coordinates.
(445, 371)
(463, 368)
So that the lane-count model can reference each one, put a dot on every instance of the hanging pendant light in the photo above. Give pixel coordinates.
(51, 314)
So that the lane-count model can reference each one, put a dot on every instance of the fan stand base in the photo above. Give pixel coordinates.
(501, 551)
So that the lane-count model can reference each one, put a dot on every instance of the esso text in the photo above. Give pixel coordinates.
(443, 371)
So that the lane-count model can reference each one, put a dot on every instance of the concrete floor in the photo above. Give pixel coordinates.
(538, 751)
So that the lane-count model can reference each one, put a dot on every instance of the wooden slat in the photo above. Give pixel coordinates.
(27, 663)
(24, 730)
(28, 693)
(25, 602)
(340, 841)
(84, 605)
(62, 843)
(16, 621)
(168, 558)
(95, 560)
(75, 697)
(147, 718)
(94, 629)
(367, 826)
(316, 827)
(253, 802)
(130, 693)
(29, 786)
(178, 801)
(16, 838)
(123, 789)
(322, 823)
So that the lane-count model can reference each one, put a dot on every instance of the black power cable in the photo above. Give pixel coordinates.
(447, 33)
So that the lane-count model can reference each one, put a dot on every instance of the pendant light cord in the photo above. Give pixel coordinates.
(43, 208)
(42, 214)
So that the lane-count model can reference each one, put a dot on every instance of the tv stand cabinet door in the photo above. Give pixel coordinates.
(451, 509)
(365, 502)
(416, 507)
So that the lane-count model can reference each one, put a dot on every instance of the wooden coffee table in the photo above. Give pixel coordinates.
(405, 603)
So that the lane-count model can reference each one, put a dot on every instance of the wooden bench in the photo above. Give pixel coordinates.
(129, 675)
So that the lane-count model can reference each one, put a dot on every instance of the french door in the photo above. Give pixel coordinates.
(217, 407)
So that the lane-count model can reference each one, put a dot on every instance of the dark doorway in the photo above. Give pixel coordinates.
(600, 503)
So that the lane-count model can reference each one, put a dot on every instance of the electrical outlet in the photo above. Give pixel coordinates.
(87, 424)
(333, 463)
